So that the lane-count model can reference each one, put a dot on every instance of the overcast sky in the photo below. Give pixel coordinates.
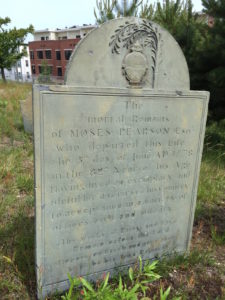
(53, 13)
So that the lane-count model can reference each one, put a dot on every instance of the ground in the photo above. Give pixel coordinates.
(197, 275)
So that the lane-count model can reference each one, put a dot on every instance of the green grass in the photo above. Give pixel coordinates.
(210, 206)
(185, 261)
(17, 278)
(198, 275)
(11, 124)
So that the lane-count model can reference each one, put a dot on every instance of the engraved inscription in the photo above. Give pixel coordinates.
(118, 182)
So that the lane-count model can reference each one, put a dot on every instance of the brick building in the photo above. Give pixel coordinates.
(54, 48)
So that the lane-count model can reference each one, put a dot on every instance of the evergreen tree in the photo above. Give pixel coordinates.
(111, 9)
(147, 10)
(168, 14)
(105, 10)
(10, 40)
(127, 9)
(213, 57)
(183, 24)
(45, 75)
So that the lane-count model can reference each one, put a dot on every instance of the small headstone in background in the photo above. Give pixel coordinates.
(27, 113)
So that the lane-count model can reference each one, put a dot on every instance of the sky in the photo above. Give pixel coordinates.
(53, 14)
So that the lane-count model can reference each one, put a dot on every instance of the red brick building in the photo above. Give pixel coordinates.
(54, 53)
(54, 48)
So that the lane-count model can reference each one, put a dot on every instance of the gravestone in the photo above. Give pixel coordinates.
(117, 155)
(27, 113)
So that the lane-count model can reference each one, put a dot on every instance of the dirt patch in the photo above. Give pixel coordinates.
(5, 142)
(203, 279)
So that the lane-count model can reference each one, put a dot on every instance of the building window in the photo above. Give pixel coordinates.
(47, 38)
(64, 38)
(18, 64)
(67, 54)
(58, 55)
(40, 54)
(78, 36)
(31, 54)
(33, 69)
(42, 38)
(59, 71)
(28, 75)
(27, 63)
(48, 54)
(39, 69)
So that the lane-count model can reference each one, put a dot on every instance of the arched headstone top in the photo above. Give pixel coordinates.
(128, 52)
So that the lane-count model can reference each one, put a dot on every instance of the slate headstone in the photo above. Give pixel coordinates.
(117, 155)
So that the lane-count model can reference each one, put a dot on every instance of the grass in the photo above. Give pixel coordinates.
(16, 197)
(199, 275)
(211, 193)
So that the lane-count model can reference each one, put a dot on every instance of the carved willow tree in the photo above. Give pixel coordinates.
(111, 9)
(135, 37)
(10, 40)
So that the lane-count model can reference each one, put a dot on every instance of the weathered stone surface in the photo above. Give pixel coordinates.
(116, 166)
(97, 61)
(27, 113)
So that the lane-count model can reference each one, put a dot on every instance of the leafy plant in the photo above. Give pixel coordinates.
(123, 293)
(103, 292)
(138, 278)
(164, 295)
(143, 275)
(74, 283)
(87, 291)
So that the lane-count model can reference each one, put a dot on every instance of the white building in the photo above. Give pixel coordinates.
(73, 32)
(21, 71)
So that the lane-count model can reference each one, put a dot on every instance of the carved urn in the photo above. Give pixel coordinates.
(135, 65)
